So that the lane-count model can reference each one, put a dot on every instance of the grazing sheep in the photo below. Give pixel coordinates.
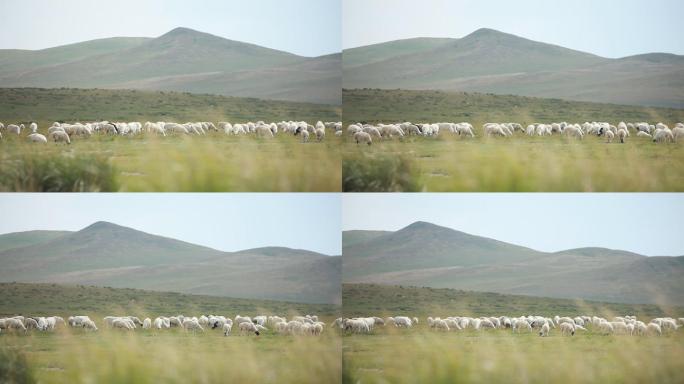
(147, 323)
(363, 137)
(622, 133)
(643, 134)
(609, 136)
(544, 330)
(37, 138)
(248, 328)
(60, 136)
(663, 136)
(16, 129)
(320, 134)
(567, 328)
(653, 329)
(192, 324)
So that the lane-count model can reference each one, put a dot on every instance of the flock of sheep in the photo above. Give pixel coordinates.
(64, 132)
(620, 325)
(659, 132)
(298, 325)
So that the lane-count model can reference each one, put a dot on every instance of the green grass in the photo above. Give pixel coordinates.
(215, 162)
(420, 355)
(46, 299)
(109, 356)
(518, 164)
(387, 300)
(171, 356)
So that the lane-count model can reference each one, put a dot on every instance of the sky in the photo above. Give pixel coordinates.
(303, 27)
(647, 223)
(609, 28)
(223, 221)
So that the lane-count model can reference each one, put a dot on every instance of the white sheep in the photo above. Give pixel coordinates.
(544, 330)
(37, 138)
(60, 136)
(609, 136)
(644, 134)
(248, 327)
(147, 323)
(363, 137)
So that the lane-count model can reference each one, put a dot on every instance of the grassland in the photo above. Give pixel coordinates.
(518, 164)
(420, 355)
(390, 300)
(214, 162)
(108, 356)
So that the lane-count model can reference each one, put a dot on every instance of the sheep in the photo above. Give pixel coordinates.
(89, 325)
(248, 327)
(16, 129)
(402, 322)
(643, 134)
(147, 323)
(609, 136)
(663, 136)
(622, 133)
(37, 138)
(227, 327)
(653, 329)
(60, 136)
(192, 324)
(677, 132)
(305, 136)
(491, 129)
(30, 323)
(567, 328)
(544, 330)
(363, 137)
(320, 134)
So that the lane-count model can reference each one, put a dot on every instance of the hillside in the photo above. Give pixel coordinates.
(22, 239)
(424, 254)
(388, 300)
(38, 299)
(491, 61)
(180, 60)
(380, 105)
(48, 105)
(105, 254)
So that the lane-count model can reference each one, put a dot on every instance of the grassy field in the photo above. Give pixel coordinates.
(521, 163)
(109, 356)
(389, 300)
(419, 355)
(214, 162)
(39, 300)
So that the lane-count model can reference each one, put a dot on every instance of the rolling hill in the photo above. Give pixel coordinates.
(393, 300)
(491, 61)
(180, 60)
(424, 254)
(38, 299)
(106, 254)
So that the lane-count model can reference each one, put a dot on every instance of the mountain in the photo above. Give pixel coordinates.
(22, 239)
(491, 61)
(180, 60)
(424, 254)
(106, 254)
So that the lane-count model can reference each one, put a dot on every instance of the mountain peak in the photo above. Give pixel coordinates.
(485, 32)
(180, 31)
(103, 225)
(423, 225)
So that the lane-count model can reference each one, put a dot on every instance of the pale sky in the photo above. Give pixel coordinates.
(224, 221)
(303, 27)
(609, 28)
(645, 223)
